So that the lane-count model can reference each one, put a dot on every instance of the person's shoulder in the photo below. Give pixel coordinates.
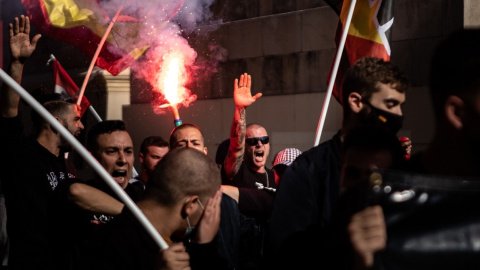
(316, 152)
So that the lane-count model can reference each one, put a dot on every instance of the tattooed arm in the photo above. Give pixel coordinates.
(243, 98)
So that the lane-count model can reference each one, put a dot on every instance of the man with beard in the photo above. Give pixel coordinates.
(373, 92)
(35, 165)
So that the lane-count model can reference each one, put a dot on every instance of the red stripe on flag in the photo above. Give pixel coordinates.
(358, 47)
(111, 58)
(65, 83)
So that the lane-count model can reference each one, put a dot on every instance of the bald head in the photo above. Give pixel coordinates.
(183, 172)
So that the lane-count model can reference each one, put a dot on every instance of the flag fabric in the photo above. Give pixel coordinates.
(83, 24)
(65, 85)
(369, 34)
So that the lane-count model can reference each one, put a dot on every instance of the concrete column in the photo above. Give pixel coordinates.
(471, 11)
(118, 93)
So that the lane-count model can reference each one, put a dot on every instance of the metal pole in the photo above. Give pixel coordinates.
(87, 156)
(326, 102)
(97, 52)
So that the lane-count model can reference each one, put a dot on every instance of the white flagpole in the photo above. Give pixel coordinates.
(87, 156)
(92, 110)
(97, 52)
(95, 114)
(326, 102)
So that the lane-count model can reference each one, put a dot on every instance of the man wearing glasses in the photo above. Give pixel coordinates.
(244, 168)
(249, 144)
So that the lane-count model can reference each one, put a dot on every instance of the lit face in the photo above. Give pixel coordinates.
(115, 153)
(71, 121)
(256, 155)
(189, 137)
(388, 99)
(152, 157)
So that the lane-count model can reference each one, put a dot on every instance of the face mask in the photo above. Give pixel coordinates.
(384, 119)
(190, 229)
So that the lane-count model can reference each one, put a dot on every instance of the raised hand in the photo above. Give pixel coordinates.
(210, 221)
(242, 94)
(407, 146)
(20, 45)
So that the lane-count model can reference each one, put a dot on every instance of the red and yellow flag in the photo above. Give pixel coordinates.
(83, 24)
(65, 85)
(369, 34)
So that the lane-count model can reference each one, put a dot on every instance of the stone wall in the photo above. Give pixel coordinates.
(288, 48)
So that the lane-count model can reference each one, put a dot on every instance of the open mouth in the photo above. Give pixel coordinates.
(119, 176)
(259, 156)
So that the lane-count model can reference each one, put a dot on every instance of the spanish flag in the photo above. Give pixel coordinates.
(369, 34)
(66, 86)
(83, 24)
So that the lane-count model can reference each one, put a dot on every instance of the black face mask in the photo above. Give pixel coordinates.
(384, 119)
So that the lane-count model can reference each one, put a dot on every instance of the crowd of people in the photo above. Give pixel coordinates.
(326, 207)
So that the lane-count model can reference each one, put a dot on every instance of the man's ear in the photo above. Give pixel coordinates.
(205, 150)
(455, 111)
(190, 205)
(141, 157)
(354, 100)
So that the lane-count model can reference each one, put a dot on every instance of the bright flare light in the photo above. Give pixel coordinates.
(172, 81)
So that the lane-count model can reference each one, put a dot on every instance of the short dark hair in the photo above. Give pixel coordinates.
(363, 78)
(56, 104)
(180, 127)
(455, 68)
(103, 127)
(152, 141)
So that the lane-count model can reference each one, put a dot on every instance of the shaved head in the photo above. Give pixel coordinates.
(183, 172)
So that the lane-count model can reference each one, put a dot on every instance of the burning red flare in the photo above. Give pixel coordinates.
(171, 82)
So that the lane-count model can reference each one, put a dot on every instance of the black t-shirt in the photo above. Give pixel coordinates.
(77, 228)
(253, 202)
(124, 243)
(30, 174)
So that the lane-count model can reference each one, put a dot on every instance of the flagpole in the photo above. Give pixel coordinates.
(95, 114)
(333, 75)
(93, 111)
(97, 52)
(87, 156)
